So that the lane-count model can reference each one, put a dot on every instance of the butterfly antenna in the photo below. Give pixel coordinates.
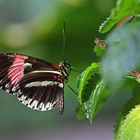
(71, 89)
(64, 39)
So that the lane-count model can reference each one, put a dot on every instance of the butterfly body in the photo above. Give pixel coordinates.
(36, 83)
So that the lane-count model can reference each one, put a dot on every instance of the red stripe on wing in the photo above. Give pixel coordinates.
(56, 67)
(15, 72)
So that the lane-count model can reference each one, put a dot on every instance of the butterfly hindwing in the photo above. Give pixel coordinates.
(35, 82)
(35, 92)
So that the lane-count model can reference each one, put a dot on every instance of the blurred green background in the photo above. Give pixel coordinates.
(34, 27)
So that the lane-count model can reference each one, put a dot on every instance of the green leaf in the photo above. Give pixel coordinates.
(91, 93)
(135, 75)
(130, 127)
(135, 100)
(84, 77)
(134, 78)
(123, 9)
(122, 54)
(96, 101)
(99, 50)
(89, 108)
(80, 112)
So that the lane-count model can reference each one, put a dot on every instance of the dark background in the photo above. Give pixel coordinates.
(34, 27)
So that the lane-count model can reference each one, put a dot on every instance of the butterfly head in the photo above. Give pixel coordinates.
(65, 68)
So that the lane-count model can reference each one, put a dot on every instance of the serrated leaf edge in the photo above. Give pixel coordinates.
(128, 116)
(83, 77)
(128, 107)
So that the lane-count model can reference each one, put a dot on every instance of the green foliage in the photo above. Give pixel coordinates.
(123, 9)
(98, 50)
(119, 64)
(130, 126)
(131, 104)
(89, 108)
(83, 80)
(133, 78)
(91, 93)
(122, 55)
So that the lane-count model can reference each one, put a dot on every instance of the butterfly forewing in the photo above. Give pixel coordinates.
(37, 83)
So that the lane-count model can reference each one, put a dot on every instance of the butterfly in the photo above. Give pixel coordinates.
(38, 84)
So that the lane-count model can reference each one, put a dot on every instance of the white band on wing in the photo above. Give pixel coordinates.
(44, 83)
(47, 71)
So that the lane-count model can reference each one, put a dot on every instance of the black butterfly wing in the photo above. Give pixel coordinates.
(39, 90)
(14, 66)
(35, 82)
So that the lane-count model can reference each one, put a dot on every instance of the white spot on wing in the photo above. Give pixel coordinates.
(22, 98)
(7, 90)
(43, 108)
(34, 104)
(60, 85)
(40, 106)
(27, 65)
(48, 105)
